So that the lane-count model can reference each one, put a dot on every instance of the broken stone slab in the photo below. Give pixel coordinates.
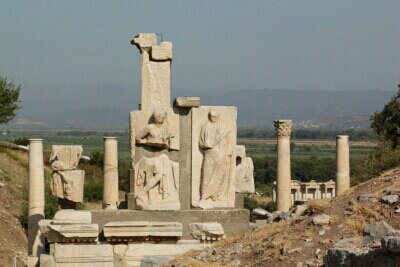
(300, 210)
(207, 231)
(282, 215)
(69, 233)
(162, 52)
(87, 255)
(365, 197)
(65, 157)
(321, 219)
(187, 102)
(375, 231)
(244, 181)
(72, 217)
(391, 244)
(390, 199)
(141, 230)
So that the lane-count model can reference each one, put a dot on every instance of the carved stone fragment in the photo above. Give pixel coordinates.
(68, 184)
(65, 157)
(207, 231)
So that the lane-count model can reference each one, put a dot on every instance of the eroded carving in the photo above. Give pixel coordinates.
(218, 165)
(244, 171)
(283, 127)
(157, 184)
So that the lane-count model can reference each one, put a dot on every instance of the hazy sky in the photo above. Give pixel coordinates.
(229, 45)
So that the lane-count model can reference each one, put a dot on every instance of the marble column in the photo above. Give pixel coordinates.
(110, 187)
(36, 197)
(342, 164)
(283, 180)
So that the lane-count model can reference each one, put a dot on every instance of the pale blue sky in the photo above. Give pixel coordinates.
(49, 46)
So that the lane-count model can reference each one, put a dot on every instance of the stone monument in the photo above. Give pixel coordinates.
(186, 183)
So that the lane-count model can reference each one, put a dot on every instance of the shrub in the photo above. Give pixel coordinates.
(96, 158)
(21, 141)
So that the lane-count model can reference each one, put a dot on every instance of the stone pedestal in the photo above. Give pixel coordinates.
(110, 187)
(283, 180)
(36, 197)
(342, 164)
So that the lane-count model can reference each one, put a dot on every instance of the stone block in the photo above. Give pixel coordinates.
(187, 102)
(240, 151)
(69, 233)
(71, 255)
(32, 261)
(141, 230)
(162, 52)
(68, 184)
(144, 40)
(375, 231)
(244, 182)
(47, 261)
(213, 136)
(147, 254)
(207, 231)
(233, 221)
(391, 244)
(65, 157)
(72, 217)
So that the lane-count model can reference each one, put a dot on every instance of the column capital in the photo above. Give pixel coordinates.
(342, 137)
(283, 127)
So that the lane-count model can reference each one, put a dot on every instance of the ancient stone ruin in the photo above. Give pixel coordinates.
(187, 182)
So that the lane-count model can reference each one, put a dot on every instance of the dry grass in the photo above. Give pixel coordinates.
(355, 225)
(318, 206)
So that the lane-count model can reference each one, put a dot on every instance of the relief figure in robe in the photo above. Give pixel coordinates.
(217, 149)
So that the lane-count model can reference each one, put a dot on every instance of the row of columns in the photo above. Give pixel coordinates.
(36, 186)
(283, 180)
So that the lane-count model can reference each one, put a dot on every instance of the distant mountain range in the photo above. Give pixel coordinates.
(108, 107)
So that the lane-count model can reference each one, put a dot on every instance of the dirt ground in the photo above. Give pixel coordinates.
(296, 241)
(13, 194)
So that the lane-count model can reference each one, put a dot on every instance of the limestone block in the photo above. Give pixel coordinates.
(141, 230)
(144, 40)
(155, 127)
(207, 231)
(68, 184)
(162, 52)
(147, 254)
(32, 261)
(187, 102)
(244, 175)
(240, 151)
(157, 184)
(71, 233)
(65, 157)
(83, 255)
(72, 217)
(213, 156)
(47, 261)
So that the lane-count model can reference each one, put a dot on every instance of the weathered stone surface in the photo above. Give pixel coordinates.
(157, 184)
(47, 261)
(282, 215)
(260, 212)
(213, 156)
(141, 230)
(341, 257)
(244, 182)
(283, 181)
(390, 199)
(375, 231)
(321, 219)
(68, 184)
(162, 52)
(69, 233)
(187, 102)
(300, 210)
(391, 244)
(155, 254)
(65, 157)
(72, 217)
(365, 197)
(73, 255)
(207, 231)
(240, 151)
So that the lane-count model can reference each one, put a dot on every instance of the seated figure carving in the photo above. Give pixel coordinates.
(157, 183)
(157, 133)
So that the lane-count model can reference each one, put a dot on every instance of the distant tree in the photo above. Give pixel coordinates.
(386, 123)
(9, 95)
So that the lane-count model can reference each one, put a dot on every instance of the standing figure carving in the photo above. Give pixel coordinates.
(157, 133)
(218, 163)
